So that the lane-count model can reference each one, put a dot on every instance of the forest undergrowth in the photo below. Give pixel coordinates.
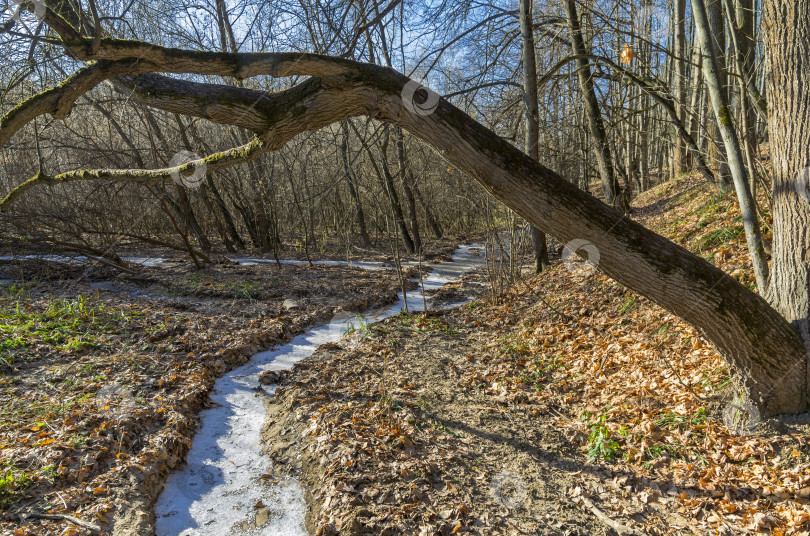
(100, 386)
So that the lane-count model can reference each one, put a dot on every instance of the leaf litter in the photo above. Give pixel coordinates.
(101, 386)
(573, 406)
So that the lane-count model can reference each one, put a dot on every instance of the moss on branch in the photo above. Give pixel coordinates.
(236, 155)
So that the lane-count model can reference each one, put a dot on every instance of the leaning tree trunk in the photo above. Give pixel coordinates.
(596, 128)
(786, 25)
(761, 347)
(539, 243)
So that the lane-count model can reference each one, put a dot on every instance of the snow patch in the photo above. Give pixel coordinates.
(220, 486)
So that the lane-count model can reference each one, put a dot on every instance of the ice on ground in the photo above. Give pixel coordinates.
(217, 490)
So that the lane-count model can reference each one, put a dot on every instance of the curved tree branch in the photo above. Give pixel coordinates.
(59, 100)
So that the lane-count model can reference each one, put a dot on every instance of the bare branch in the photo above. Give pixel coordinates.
(59, 100)
(221, 160)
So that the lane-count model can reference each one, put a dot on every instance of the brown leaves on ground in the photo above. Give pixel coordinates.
(510, 418)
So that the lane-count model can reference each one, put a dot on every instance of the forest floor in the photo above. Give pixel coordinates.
(572, 406)
(102, 373)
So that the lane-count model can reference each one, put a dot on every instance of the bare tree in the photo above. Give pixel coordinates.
(539, 246)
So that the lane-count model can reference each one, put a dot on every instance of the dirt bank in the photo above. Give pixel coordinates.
(101, 385)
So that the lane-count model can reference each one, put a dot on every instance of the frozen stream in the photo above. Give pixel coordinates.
(217, 491)
(80, 259)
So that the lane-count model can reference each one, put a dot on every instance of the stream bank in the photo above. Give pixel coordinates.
(101, 386)
(225, 485)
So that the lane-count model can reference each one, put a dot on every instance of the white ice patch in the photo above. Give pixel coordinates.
(250, 261)
(216, 491)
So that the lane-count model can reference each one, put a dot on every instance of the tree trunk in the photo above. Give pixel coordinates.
(223, 235)
(431, 220)
(532, 113)
(679, 72)
(741, 25)
(746, 15)
(731, 142)
(696, 100)
(596, 128)
(757, 342)
(405, 177)
(359, 217)
(717, 37)
(786, 24)
(230, 224)
(396, 207)
(247, 220)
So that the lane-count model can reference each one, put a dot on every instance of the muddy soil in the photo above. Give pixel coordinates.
(102, 374)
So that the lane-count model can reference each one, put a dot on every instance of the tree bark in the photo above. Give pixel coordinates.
(786, 25)
(532, 113)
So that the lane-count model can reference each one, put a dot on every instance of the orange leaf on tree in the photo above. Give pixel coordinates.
(627, 54)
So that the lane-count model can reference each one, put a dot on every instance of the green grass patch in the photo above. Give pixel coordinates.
(601, 445)
(718, 237)
(627, 305)
(422, 322)
(13, 483)
(66, 324)
(669, 419)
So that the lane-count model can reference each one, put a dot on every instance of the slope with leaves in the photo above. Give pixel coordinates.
(597, 407)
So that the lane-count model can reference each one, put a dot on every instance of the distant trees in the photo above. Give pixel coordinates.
(593, 112)
(267, 204)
